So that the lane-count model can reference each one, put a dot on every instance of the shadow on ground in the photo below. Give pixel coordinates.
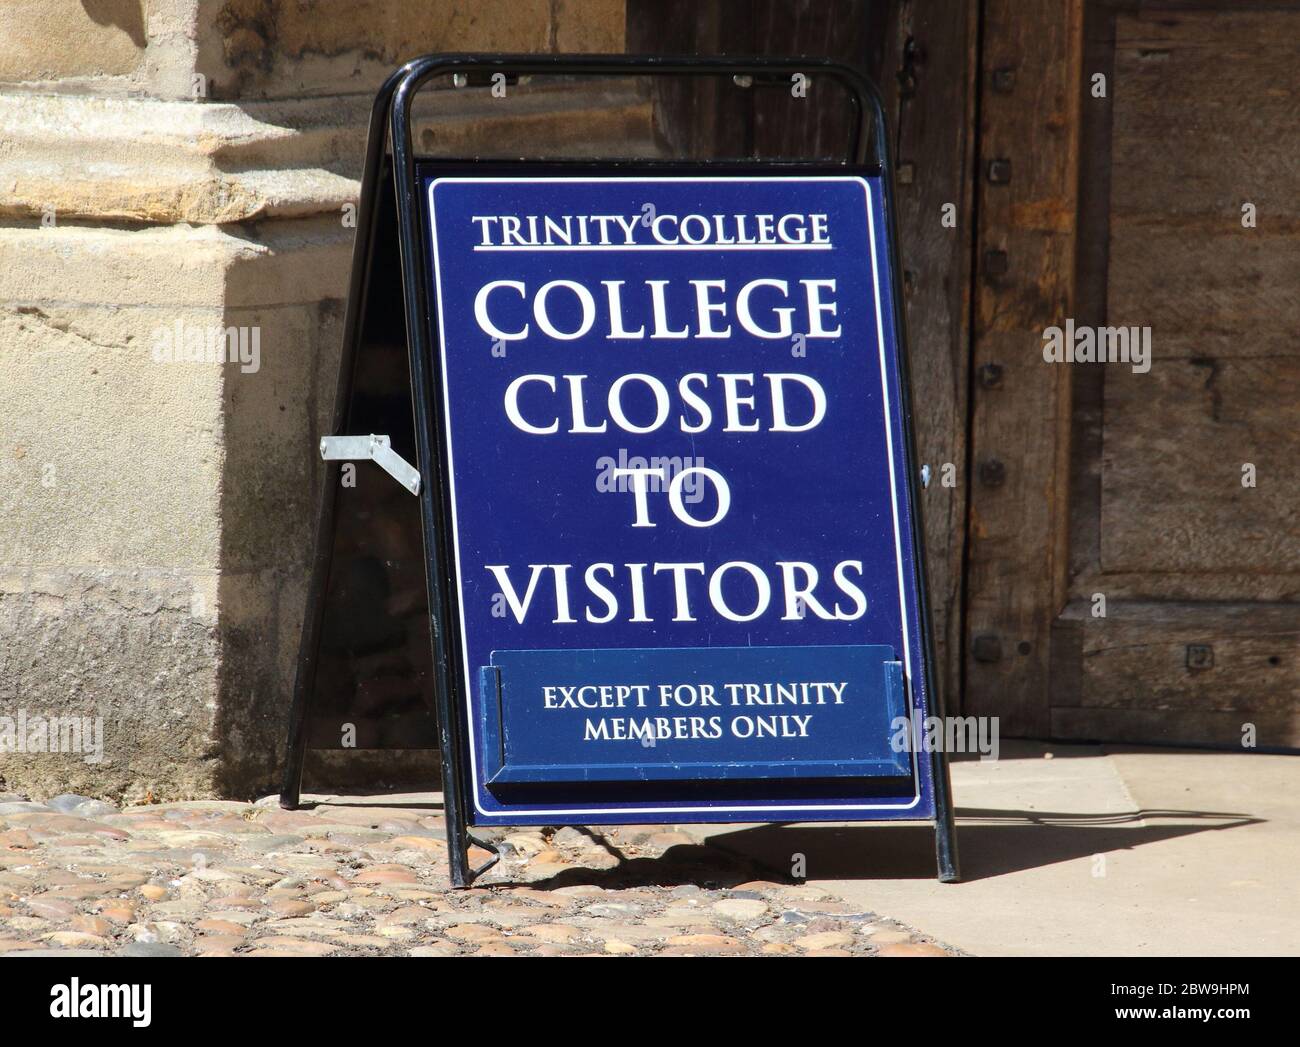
(991, 842)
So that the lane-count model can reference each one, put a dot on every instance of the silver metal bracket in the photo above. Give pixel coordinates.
(376, 448)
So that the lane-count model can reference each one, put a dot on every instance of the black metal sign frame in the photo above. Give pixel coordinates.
(390, 122)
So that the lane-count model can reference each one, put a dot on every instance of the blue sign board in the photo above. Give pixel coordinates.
(678, 485)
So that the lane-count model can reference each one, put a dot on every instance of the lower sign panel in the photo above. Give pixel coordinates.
(719, 712)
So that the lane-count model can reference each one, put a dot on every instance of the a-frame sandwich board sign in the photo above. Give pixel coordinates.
(666, 477)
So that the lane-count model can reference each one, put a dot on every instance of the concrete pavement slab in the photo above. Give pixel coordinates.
(1079, 850)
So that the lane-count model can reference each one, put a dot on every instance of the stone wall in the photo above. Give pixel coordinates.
(178, 166)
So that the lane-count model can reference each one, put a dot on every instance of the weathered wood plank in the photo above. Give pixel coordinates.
(818, 125)
(1161, 514)
(1181, 657)
(1274, 730)
(1205, 100)
(1029, 135)
(1184, 585)
(1176, 441)
(934, 46)
(696, 118)
(1208, 291)
(1092, 268)
(1204, 122)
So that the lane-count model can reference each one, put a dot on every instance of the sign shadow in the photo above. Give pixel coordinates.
(994, 842)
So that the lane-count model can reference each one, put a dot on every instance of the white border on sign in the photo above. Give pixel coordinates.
(455, 522)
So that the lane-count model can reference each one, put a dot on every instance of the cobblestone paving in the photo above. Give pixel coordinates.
(213, 878)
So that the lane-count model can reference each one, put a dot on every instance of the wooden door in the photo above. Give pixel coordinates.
(1133, 565)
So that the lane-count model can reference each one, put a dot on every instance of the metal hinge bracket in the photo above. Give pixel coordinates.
(376, 448)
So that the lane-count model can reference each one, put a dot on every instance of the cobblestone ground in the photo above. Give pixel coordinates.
(210, 878)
